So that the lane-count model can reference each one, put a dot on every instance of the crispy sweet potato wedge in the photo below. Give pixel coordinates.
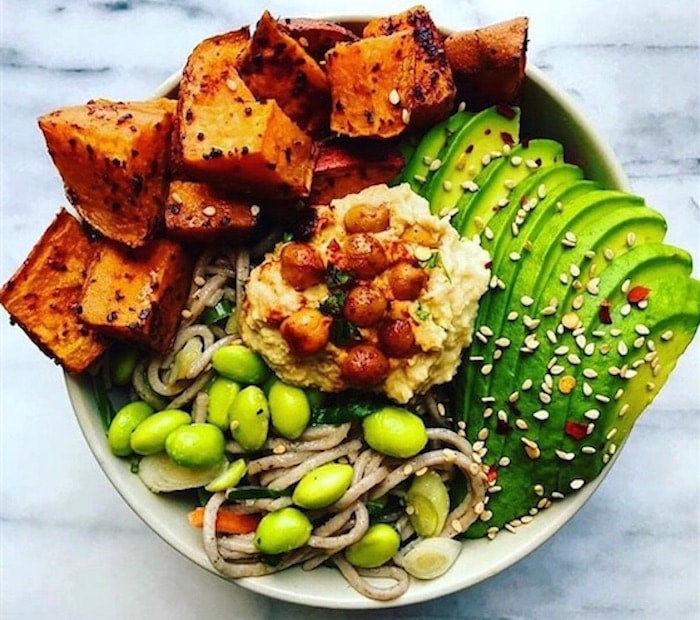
(43, 296)
(489, 63)
(201, 213)
(343, 169)
(276, 66)
(137, 295)
(113, 158)
(434, 90)
(316, 36)
(372, 85)
(251, 147)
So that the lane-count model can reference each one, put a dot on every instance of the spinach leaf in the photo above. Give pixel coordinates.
(343, 332)
(352, 407)
(220, 311)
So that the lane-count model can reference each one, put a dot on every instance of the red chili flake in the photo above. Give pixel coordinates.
(334, 246)
(488, 265)
(604, 313)
(637, 294)
(492, 474)
(577, 430)
(507, 138)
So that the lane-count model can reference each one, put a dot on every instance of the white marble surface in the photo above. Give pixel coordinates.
(70, 548)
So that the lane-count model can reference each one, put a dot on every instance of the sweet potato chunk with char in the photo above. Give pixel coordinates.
(201, 213)
(316, 36)
(434, 90)
(138, 295)
(372, 86)
(113, 158)
(276, 66)
(210, 78)
(343, 169)
(43, 296)
(251, 147)
(489, 63)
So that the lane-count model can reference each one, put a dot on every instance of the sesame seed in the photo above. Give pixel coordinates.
(516, 160)
(667, 335)
(623, 410)
(476, 358)
(502, 202)
(175, 197)
(462, 106)
(551, 336)
(626, 285)
(199, 281)
(651, 345)
(574, 270)
(622, 348)
(592, 414)
(481, 338)
(509, 183)
(541, 415)
(629, 374)
(533, 511)
(578, 302)
(492, 532)
(186, 314)
(488, 399)
(543, 502)
(608, 254)
(593, 286)
(641, 329)
(502, 415)
(615, 332)
(562, 350)
(545, 398)
(506, 149)
(598, 333)
(394, 97)
(486, 330)
(486, 369)
(637, 363)
(279, 449)
(643, 304)
(531, 163)
(488, 412)
(593, 270)
(538, 489)
(514, 256)
(232, 85)
(457, 525)
(611, 434)
(502, 342)
(587, 389)
(405, 116)
(580, 340)
(612, 448)
(625, 310)
(303, 41)
(504, 461)
(513, 398)
(435, 165)
(407, 470)
(422, 253)
(631, 239)
(548, 311)
(589, 254)
(614, 371)
(567, 243)
(486, 159)
(651, 386)
(563, 278)
(488, 233)
(602, 398)
(548, 381)
(557, 369)
(574, 359)
(427, 160)
(589, 373)
(483, 434)
(527, 384)
(254, 210)
(447, 186)
(478, 445)
(410, 510)
(576, 484)
(515, 231)
(521, 424)
(565, 456)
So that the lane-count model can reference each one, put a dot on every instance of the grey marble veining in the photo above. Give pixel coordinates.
(70, 548)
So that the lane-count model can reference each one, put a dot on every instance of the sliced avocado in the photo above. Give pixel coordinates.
(493, 185)
(436, 141)
(631, 371)
(527, 472)
(474, 146)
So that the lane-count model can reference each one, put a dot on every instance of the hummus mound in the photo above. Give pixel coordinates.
(441, 316)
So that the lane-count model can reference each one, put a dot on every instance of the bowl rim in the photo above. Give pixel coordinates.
(565, 510)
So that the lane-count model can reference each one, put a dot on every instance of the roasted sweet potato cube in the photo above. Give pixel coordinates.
(276, 66)
(251, 147)
(347, 168)
(43, 296)
(434, 90)
(489, 63)
(316, 36)
(201, 213)
(138, 295)
(113, 158)
(372, 86)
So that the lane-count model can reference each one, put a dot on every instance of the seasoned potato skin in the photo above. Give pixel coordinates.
(307, 331)
(138, 295)
(113, 158)
(302, 266)
(202, 213)
(276, 66)
(316, 36)
(365, 365)
(43, 296)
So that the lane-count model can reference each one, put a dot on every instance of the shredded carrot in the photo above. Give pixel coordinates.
(228, 521)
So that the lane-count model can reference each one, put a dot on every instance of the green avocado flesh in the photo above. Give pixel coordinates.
(586, 315)
(479, 141)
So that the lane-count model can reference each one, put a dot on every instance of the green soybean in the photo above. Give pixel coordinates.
(249, 418)
(239, 363)
(289, 409)
(323, 486)
(149, 436)
(123, 363)
(196, 445)
(124, 423)
(222, 393)
(282, 531)
(230, 478)
(430, 500)
(379, 544)
(395, 432)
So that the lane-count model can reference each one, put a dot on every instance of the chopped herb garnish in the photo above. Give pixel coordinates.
(337, 278)
(343, 332)
(134, 464)
(431, 262)
(423, 314)
(220, 311)
(352, 407)
(333, 304)
(287, 237)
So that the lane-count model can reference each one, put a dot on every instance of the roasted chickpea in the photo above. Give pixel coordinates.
(366, 219)
(365, 255)
(406, 280)
(421, 236)
(364, 306)
(365, 365)
(307, 331)
(396, 338)
(302, 266)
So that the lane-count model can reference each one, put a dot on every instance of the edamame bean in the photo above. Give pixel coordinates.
(379, 544)
(289, 409)
(249, 417)
(123, 362)
(323, 486)
(196, 445)
(222, 392)
(239, 363)
(282, 531)
(149, 436)
(395, 432)
(124, 423)
(229, 478)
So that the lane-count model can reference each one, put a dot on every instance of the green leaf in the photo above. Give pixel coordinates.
(104, 405)
(220, 311)
(352, 407)
(431, 262)
(344, 332)
(333, 304)
(338, 279)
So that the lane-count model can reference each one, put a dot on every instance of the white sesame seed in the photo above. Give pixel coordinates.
(643, 304)
(254, 210)
(589, 254)
(574, 359)
(502, 342)
(516, 160)
(548, 380)
(486, 369)
(232, 85)
(526, 301)
(545, 398)
(488, 233)
(557, 495)
(565, 456)
(476, 358)
(279, 449)
(611, 434)
(176, 198)
(626, 286)
(593, 286)
(651, 386)
(488, 399)
(622, 348)
(564, 278)
(481, 338)
(394, 97)
(581, 341)
(515, 231)
(631, 239)
(562, 350)
(497, 354)
(576, 484)
(623, 410)
(478, 445)
(486, 330)
(602, 398)
(521, 424)
(541, 415)
(462, 106)
(502, 202)
(486, 159)
(420, 178)
(557, 370)
(542, 191)
(447, 186)
(589, 373)
(542, 503)
(538, 489)
(422, 253)
(514, 256)
(527, 384)
(608, 254)
(406, 116)
(548, 311)
(578, 302)
(625, 310)
(488, 412)
(531, 163)
(614, 371)
(629, 374)
(186, 314)
(435, 165)
(615, 332)
(512, 316)
(587, 389)
(551, 336)
(651, 345)
(592, 414)
(612, 448)
(667, 335)
(506, 149)
(588, 450)
(641, 329)
(509, 183)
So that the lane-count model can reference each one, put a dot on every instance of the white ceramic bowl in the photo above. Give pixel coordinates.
(547, 113)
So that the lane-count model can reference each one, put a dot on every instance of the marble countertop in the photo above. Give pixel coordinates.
(70, 548)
